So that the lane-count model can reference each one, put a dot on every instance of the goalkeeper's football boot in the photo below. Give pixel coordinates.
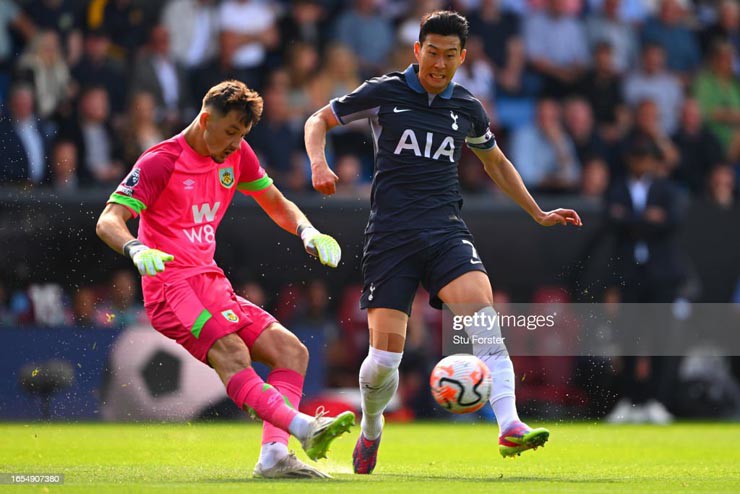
(520, 437)
(365, 454)
(323, 430)
(289, 467)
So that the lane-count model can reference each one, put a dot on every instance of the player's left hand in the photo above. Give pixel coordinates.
(559, 216)
(322, 246)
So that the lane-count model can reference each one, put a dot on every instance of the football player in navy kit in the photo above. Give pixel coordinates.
(420, 120)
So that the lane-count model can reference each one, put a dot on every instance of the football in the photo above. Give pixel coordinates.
(461, 383)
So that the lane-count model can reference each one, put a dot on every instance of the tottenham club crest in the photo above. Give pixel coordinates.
(454, 120)
(230, 316)
(227, 177)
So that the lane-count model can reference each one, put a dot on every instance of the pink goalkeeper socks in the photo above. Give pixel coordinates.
(246, 388)
(290, 384)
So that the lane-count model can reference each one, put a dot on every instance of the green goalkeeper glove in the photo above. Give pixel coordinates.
(319, 245)
(148, 261)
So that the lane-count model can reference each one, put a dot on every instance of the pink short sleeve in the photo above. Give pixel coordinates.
(146, 181)
(253, 178)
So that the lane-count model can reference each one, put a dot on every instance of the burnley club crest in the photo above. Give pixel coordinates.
(227, 177)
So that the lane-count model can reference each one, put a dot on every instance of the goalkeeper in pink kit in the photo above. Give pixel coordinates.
(182, 188)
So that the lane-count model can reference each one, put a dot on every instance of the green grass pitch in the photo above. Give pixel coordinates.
(425, 457)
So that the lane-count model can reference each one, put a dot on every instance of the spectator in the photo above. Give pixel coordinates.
(407, 32)
(250, 25)
(316, 325)
(632, 12)
(88, 309)
(193, 29)
(220, 69)
(579, 122)
(594, 179)
(476, 74)
(141, 130)
(556, 47)
(544, 153)
(473, 178)
(725, 28)
(500, 32)
(607, 27)
(253, 292)
(602, 87)
(275, 138)
(643, 213)
(126, 23)
(304, 22)
(721, 187)
(647, 125)
(367, 34)
(669, 30)
(49, 304)
(64, 165)
(655, 83)
(157, 72)
(301, 66)
(350, 185)
(340, 76)
(7, 318)
(98, 68)
(699, 149)
(124, 308)
(12, 20)
(718, 93)
(337, 77)
(44, 67)
(63, 17)
(97, 143)
(24, 146)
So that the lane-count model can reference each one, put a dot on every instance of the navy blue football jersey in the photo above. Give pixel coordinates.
(418, 139)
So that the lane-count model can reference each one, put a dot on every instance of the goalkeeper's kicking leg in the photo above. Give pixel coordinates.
(231, 359)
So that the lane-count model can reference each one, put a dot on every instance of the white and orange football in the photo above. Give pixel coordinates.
(461, 383)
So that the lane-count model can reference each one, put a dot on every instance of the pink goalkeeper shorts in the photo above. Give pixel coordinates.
(201, 309)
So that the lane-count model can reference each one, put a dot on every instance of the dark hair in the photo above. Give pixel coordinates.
(444, 23)
(234, 95)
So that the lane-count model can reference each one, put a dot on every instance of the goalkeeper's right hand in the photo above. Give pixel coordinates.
(148, 261)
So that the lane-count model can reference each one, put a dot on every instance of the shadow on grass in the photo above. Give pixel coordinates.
(416, 478)
(496, 478)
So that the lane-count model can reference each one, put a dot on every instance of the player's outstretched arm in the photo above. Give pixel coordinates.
(290, 218)
(501, 171)
(112, 229)
(323, 179)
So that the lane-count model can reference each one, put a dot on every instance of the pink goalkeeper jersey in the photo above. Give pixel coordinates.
(182, 197)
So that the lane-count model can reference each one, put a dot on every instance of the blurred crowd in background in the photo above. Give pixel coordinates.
(586, 97)
(86, 86)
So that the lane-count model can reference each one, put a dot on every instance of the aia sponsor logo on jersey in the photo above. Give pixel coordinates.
(410, 142)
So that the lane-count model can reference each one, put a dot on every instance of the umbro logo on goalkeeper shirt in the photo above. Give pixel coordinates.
(189, 184)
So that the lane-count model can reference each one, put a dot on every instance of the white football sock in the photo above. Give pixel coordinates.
(496, 358)
(299, 425)
(271, 453)
(378, 383)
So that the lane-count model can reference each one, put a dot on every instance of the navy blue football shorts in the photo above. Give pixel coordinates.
(394, 263)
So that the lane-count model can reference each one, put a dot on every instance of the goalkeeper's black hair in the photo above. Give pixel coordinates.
(444, 23)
